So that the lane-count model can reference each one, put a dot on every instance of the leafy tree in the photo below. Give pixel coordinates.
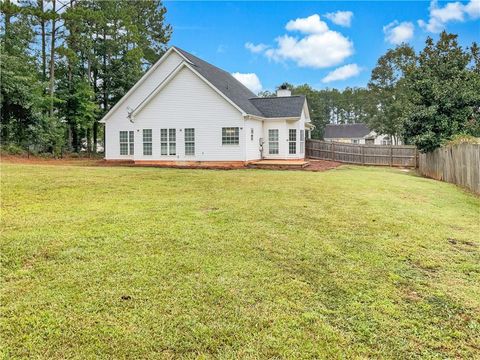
(445, 94)
(389, 98)
(66, 62)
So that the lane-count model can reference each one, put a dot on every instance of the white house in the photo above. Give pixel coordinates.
(186, 111)
(355, 134)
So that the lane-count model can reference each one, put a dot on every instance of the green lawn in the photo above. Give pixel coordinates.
(162, 263)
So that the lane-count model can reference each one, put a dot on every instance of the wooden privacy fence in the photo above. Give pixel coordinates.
(395, 155)
(458, 164)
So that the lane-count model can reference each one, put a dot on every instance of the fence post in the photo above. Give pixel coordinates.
(333, 151)
(391, 155)
(363, 154)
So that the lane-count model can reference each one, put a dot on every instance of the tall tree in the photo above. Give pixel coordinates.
(445, 94)
(389, 100)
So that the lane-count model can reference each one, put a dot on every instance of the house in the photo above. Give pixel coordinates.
(185, 111)
(355, 134)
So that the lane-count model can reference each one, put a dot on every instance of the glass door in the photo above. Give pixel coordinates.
(273, 141)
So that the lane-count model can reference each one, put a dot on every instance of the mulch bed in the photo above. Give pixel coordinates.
(315, 165)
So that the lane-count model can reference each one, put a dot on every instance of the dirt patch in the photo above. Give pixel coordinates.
(321, 165)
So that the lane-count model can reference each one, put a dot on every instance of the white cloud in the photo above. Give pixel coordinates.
(319, 48)
(473, 9)
(250, 80)
(342, 73)
(256, 48)
(342, 18)
(453, 11)
(316, 50)
(397, 33)
(308, 25)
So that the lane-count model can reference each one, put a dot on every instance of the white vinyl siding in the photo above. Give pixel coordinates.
(252, 139)
(118, 120)
(188, 102)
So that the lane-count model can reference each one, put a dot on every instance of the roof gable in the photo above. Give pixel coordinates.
(232, 90)
(169, 78)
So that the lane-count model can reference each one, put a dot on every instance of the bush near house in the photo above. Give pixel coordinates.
(163, 263)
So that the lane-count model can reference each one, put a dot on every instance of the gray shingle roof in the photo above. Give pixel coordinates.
(334, 131)
(241, 95)
(288, 106)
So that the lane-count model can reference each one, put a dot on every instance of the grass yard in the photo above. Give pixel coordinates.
(160, 263)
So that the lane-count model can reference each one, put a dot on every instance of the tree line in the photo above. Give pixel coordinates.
(64, 63)
(423, 98)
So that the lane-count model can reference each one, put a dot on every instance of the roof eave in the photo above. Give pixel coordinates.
(263, 118)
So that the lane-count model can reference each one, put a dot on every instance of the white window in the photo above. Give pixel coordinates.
(126, 143)
(273, 141)
(251, 134)
(292, 141)
(189, 141)
(168, 144)
(147, 141)
(355, 141)
(163, 142)
(230, 136)
(302, 141)
(123, 142)
(386, 141)
(172, 141)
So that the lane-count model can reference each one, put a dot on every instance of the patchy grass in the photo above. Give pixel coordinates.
(142, 262)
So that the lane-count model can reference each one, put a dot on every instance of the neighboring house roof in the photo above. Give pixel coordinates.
(274, 107)
(338, 131)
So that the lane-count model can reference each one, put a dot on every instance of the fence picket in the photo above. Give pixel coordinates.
(395, 155)
(458, 164)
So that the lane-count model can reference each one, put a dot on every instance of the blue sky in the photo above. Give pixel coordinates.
(288, 41)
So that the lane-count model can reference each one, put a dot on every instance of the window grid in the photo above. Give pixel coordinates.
(147, 141)
(131, 142)
(230, 136)
(292, 141)
(168, 144)
(123, 142)
(172, 144)
(164, 141)
(273, 141)
(251, 134)
(126, 142)
(189, 141)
